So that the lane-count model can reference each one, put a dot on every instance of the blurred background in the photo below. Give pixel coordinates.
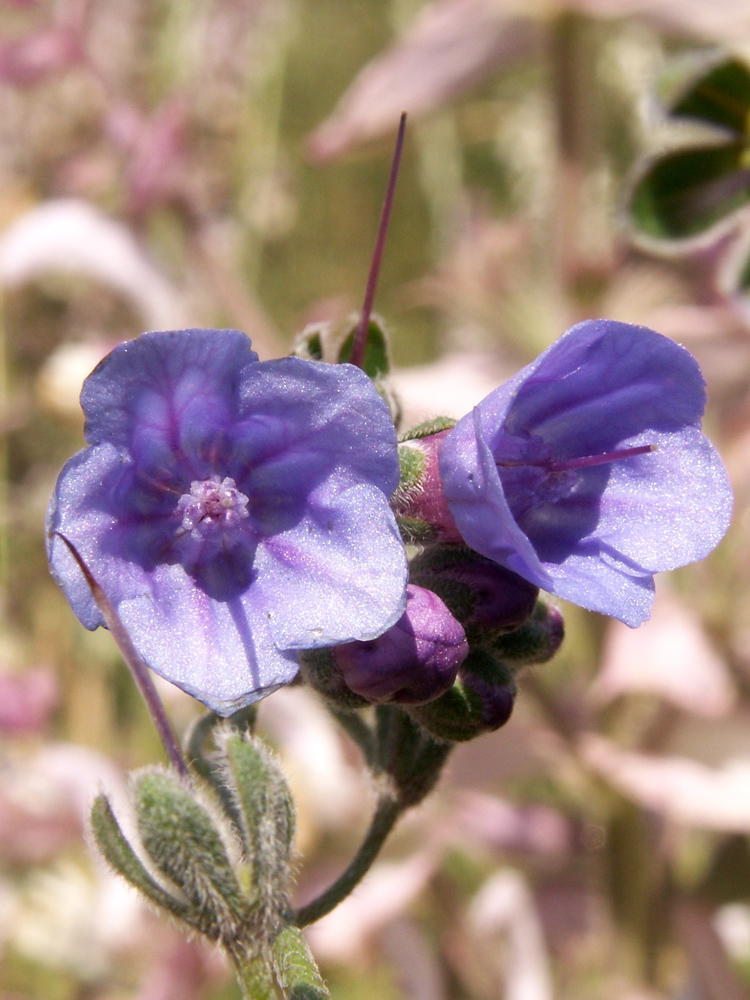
(166, 163)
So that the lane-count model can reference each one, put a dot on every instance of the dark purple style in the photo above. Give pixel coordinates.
(587, 472)
(233, 511)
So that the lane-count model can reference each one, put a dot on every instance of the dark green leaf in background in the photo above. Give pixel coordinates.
(687, 192)
(721, 97)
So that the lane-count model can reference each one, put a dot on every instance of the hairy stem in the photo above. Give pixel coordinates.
(358, 730)
(256, 979)
(387, 812)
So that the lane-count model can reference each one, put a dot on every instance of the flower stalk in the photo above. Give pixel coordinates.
(134, 660)
(386, 814)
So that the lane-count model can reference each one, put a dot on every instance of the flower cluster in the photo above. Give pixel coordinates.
(236, 512)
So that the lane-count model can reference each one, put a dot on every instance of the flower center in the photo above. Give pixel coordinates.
(211, 508)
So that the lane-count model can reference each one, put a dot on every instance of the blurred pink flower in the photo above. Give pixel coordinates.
(511, 826)
(452, 44)
(449, 45)
(45, 798)
(157, 159)
(27, 700)
(30, 59)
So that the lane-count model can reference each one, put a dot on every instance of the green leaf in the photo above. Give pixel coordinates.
(685, 193)
(185, 844)
(115, 847)
(266, 809)
(376, 362)
(720, 97)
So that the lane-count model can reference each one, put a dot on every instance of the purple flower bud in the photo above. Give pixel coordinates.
(587, 472)
(480, 701)
(413, 662)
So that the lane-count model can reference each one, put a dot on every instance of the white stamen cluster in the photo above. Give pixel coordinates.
(211, 506)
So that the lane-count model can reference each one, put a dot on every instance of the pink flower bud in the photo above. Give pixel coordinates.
(424, 500)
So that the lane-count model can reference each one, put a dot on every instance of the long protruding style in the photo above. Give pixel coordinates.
(134, 660)
(360, 338)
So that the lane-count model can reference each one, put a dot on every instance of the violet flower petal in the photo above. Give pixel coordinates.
(324, 587)
(592, 535)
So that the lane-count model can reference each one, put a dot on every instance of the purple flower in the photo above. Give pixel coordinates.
(233, 511)
(413, 662)
(588, 472)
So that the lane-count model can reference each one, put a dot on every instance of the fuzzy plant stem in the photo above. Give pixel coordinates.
(296, 971)
(360, 338)
(387, 812)
(256, 980)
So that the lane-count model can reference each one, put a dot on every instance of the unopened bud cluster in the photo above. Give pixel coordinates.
(469, 622)
(214, 850)
(226, 852)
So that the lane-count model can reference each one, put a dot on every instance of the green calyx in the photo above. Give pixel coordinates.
(427, 428)
(411, 758)
(411, 461)
(310, 344)
(536, 641)
(334, 343)
(320, 671)
(415, 531)
(218, 862)
(377, 360)
(480, 700)
(434, 570)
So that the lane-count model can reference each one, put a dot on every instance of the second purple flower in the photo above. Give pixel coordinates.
(588, 472)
